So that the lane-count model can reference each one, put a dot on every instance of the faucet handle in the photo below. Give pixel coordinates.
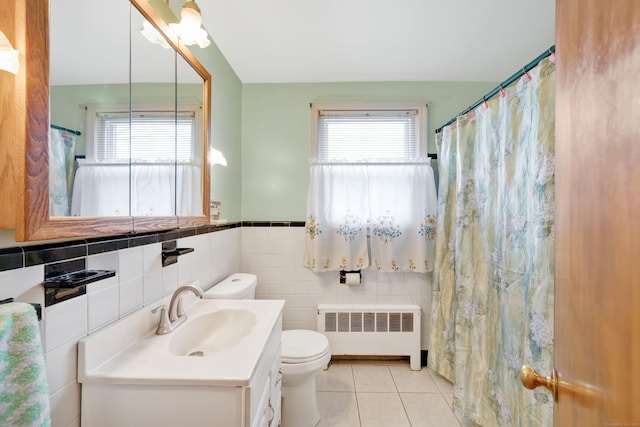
(164, 326)
(180, 309)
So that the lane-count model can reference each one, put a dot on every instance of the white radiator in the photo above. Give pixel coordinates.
(372, 330)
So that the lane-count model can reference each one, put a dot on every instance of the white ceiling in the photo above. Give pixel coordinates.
(315, 41)
(378, 40)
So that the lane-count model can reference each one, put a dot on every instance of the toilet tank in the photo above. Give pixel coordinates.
(236, 286)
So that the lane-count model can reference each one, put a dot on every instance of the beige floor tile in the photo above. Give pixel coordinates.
(428, 410)
(373, 379)
(412, 381)
(338, 409)
(443, 384)
(336, 378)
(381, 410)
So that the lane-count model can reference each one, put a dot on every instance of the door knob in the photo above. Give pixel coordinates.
(531, 380)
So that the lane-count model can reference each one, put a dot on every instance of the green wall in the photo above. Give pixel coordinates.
(226, 114)
(276, 134)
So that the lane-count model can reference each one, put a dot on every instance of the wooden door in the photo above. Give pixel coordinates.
(597, 299)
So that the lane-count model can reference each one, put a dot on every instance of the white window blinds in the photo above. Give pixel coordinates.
(152, 136)
(368, 135)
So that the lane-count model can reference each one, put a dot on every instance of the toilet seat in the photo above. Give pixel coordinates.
(302, 346)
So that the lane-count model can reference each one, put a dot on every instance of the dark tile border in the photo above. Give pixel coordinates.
(27, 256)
(168, 235)
(44, 254)
(273, 223)
(106, 244)
(187, 232)
(11, 258)
(136, 240)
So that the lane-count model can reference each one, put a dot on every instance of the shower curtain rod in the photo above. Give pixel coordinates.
(504, 84)
(75, 132)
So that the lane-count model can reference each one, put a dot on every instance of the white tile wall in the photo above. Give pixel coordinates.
(65, 322)
(130, 265)
(61, 365)
(102, 303)
(140, 281)
(275, 255)
(131, 296)
(152, 272)
(24, 284)
(65, 405)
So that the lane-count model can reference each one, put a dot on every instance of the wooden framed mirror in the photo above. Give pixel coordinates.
(25, 180)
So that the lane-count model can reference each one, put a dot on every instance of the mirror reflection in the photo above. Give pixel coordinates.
(126, 137)
(190, 152)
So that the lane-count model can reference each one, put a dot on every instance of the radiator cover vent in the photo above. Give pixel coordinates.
(373, 322)
(372, 329)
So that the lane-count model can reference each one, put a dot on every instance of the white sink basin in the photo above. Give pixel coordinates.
(212, 332)
(231, 334)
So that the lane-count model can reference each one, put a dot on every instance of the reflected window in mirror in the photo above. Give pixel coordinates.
(152, 149)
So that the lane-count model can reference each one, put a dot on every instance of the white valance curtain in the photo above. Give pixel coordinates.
(394, 203)
(139, 189)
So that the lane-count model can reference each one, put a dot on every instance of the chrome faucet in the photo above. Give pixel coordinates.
(175, 316)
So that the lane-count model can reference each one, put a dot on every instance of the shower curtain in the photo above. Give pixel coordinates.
(62, 145)
(492, 305)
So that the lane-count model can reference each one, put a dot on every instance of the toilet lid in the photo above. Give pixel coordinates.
(301, 345)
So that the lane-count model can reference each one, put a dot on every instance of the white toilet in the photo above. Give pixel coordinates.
(305, 354)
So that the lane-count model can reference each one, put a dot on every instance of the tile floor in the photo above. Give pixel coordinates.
(358, 393)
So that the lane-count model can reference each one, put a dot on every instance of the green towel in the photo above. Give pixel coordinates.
(24, 394)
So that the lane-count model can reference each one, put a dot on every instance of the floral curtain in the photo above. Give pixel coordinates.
(492, 306)
(394, 203)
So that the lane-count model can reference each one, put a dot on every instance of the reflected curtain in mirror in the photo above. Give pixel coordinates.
(62, 146)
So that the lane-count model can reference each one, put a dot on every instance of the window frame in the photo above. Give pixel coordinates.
(320, 106)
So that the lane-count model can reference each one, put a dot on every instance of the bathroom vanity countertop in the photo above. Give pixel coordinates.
(129, 352)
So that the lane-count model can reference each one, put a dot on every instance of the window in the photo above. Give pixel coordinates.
(156, 134)
(370, 175)
(368, 132)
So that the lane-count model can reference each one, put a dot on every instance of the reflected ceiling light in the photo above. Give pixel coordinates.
(217, 158)
(150, 33)
(8, 55)
(189, 29)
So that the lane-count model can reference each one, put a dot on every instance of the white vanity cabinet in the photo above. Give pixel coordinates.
(265, 389)
(143, 384)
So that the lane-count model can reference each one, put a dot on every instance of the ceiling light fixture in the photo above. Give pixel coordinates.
(189, 29)
(8, 55)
